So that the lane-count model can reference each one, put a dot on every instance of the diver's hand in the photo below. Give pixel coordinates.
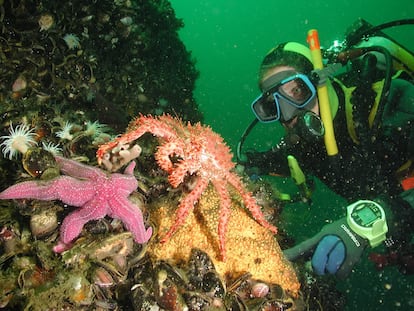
(336, 249)
(245, 165)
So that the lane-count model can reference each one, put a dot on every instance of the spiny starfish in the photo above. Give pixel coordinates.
(96, 193)
(192, 149)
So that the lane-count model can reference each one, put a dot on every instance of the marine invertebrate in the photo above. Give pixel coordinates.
(20, 139)
(19, 84)
(43, 222)
(96, 193)
(65, 132)
(120, 155)
(19, 88)
(46, 21)
(51, 147)
(199, 152)
(251, 248)
(94, 129)
(72, 41)
(260, 290)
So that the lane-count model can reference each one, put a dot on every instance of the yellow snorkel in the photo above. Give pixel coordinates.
(324, 107)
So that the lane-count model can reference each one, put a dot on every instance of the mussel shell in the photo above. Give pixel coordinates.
(241, 286)
(276, 305)
(203, 275)
(103, 278)
(169, 283)
(173, 273)
(200, 263)
(213, 284)
(277, 292)
(43, 222)
(142, 289)
(37, 160)
(197, 301)
(235, 303)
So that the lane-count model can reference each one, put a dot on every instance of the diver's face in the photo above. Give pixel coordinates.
(291, 90)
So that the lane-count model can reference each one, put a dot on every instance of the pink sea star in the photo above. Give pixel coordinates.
(96, 193)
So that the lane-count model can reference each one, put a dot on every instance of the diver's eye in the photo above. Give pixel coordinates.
(299, 92)
(296, 90)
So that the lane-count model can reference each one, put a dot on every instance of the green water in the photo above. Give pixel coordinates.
(228, 39)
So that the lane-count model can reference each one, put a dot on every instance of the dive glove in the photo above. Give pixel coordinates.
(336, 249)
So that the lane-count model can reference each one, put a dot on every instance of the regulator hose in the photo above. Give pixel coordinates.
(357, 36)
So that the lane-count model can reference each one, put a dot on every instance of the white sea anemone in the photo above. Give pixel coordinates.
(72, 41)
(54, 149)
(65, 132)
(94, 129)
(20, 138)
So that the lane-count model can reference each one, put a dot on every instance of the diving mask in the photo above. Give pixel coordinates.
(285, 94)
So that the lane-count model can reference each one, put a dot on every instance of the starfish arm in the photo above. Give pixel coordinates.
(129, 170)
(186, 205)
(78, 170)
(131, 216)
(73, 223)
(225, 203)
(250, 202)
(64, 188)
(124, 184)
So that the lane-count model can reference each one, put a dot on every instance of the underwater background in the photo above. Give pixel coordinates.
(228, 40)
(74, 73)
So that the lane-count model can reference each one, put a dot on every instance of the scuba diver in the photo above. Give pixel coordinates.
(371, 110)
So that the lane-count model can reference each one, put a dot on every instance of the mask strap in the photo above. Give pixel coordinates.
(320, 76)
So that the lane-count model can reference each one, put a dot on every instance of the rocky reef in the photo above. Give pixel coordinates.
(78, 62)
(86, 213)
(110, 59)
(73, 75)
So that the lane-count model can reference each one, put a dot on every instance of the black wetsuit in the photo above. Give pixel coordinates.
(359, 172)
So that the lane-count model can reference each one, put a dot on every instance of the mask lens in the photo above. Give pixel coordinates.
(285, 94)
(296, 91)
(265, 108)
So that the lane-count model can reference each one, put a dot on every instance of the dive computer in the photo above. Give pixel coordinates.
(367, 219)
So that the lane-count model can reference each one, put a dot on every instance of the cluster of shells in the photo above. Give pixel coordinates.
(81, 62)
(195, 285)
(34, 278)
(109, 59)
(66, 69)
(99, 274)
(106, 270)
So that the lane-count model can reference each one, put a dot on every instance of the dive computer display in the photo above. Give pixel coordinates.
(367, 219)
